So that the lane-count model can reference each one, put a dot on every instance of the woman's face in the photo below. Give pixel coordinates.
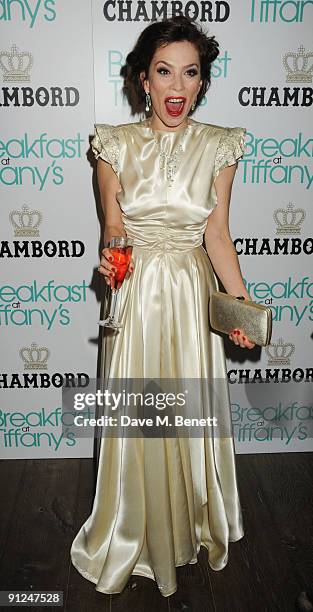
(173, 83)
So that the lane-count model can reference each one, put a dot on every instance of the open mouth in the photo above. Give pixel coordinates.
(175, 105)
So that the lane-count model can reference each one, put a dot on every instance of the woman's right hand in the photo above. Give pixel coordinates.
(108, 269)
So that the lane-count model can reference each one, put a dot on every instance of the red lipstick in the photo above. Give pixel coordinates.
(174, 105)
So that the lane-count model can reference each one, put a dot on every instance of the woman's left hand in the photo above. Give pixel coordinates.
(238, 337)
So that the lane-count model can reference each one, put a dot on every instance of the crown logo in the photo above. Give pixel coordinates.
(34, 358)
(279, 353)
(25, 222)
(297, 66)
(289, 220)
(16, 65)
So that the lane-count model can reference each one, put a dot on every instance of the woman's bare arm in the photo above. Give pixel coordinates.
(220, 247)
(218, 241)
(109, 187)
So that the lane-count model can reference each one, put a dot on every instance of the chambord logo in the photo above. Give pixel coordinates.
(144, 10)
(288, 222)
(279, 352)
(35, 375)
(35, 357)
(299, 68)
(16, 65)
(25, 222)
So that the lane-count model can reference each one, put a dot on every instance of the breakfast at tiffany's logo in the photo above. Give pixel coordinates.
(28, 12)
(271, 160)
(290, 297)
(280, 11)
(43, 304)
(38, 160)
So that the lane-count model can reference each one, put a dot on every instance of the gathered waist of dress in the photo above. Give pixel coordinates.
(164, 239)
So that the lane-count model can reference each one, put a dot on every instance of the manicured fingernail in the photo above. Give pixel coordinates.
(243, 337)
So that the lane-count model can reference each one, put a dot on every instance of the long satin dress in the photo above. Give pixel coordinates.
(158, 500)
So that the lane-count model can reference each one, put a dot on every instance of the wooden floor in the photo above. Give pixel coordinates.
(45, 502)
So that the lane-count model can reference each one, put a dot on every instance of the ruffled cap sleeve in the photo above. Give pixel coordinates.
(105, 144)
(230, 148)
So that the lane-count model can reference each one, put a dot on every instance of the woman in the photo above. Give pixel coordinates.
(166, 183)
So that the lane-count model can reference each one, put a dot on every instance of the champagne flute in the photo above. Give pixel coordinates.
(121, 248)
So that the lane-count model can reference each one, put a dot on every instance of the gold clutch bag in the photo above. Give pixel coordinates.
(227, 312)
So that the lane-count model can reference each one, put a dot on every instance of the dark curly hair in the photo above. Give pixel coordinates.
(158, 34)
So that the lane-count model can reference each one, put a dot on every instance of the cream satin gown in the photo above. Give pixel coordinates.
(158, 500)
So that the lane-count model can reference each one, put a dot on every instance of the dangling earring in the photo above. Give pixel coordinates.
(148, 102)
(193, 106)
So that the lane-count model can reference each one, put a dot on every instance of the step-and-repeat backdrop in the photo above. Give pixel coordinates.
(60, 70)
